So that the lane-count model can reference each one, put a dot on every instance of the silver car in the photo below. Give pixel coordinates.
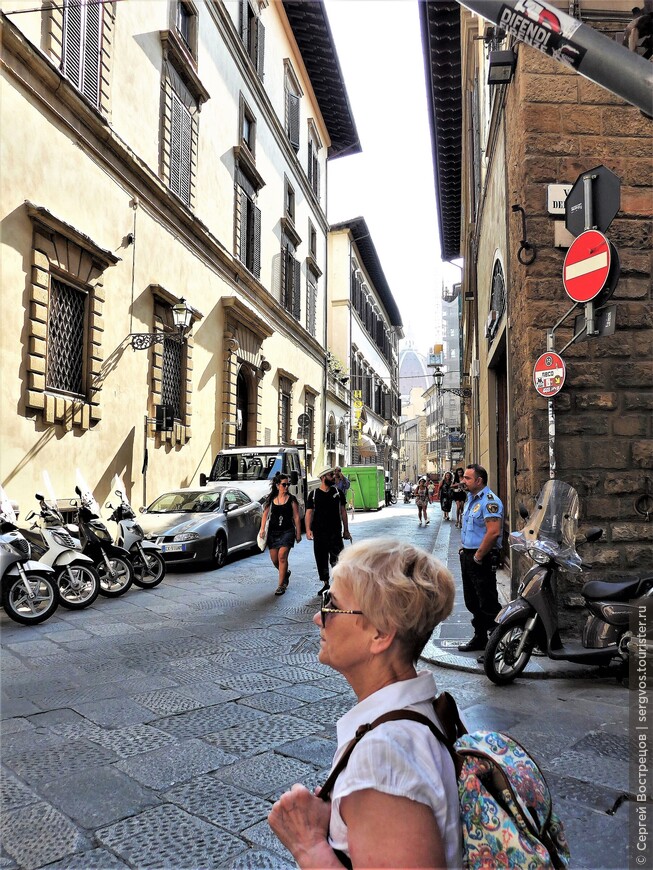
(197, 525)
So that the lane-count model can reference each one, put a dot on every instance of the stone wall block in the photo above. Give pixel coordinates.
(582, 120)
(574, 453)
(36, 363)
(584, 374)
(38, 312)
(86, 416)
(622, 484)
(633, 375)
(552, 143)
(637, 201)
(630, 122)
(541, 169)
(549, 88)
(582, 425)
(635, 316)
(630, 425)
(638, 556)
(632, 532)
(538, 118)
(643, 454)
(40, 277)
(39, 294)
(637, 401)
(609, 346)
(602, 147)
(606, 556)
(35, 399)
(36, 381)
(49, 409)
(606, 401)
(40, 260)
(37, 345)
(635, 262)
(632, 288)
(39, 330)
(588, 92)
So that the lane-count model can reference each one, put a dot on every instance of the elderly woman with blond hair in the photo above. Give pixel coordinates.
(395, 804)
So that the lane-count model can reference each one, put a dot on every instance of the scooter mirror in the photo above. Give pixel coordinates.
(593, 534)
(78, 490)
(523, 513)
(109, 505)
(38, 496)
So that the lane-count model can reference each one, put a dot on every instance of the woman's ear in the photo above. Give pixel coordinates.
(382, 640)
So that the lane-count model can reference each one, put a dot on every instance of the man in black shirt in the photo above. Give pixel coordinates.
(326, 524)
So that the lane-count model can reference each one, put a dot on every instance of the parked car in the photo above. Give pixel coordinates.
(197, 525)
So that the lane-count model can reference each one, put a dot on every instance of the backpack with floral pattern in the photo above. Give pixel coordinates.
(506, 810)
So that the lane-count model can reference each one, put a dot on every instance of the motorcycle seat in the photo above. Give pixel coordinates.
(621, 590)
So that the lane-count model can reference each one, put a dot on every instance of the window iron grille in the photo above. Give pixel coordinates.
(66, 327)
(171, 380)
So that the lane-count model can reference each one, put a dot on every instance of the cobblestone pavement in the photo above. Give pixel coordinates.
(155, 730)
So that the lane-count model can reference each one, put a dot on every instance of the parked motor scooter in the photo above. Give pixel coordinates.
(77, 579)
(148, 563)
(29, 588)
(531, 619)
(112, 562)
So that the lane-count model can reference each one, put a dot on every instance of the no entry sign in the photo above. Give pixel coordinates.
(549, 374)
(587, 266)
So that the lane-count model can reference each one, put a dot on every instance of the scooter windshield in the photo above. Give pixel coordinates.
(7, 512)
(552, 524)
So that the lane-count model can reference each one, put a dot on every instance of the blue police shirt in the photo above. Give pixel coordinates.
(479, 508)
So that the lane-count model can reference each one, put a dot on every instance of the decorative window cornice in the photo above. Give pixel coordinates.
(176, 53)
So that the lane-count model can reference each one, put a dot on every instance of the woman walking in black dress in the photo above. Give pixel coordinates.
(284, 527)
(446, 495)
(459, 495)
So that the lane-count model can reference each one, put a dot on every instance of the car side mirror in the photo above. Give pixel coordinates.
(229, 507)
(203, 480)
(141, 510)
(294, 477)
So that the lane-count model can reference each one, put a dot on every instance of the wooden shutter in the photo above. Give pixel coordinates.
(256, 241)
(260, 48)
(181, 144)
(244, 221)
(283, 295)
(296, 294)
(292, 122)
(72, 49)
(90, 84)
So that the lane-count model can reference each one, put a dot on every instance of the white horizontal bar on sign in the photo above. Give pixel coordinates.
(583, 267)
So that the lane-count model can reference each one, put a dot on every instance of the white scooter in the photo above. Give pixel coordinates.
(29, 588)
(78, 581)
(148, 563)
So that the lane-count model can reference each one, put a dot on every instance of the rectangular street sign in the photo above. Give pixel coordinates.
(556, 194)
(605, 321)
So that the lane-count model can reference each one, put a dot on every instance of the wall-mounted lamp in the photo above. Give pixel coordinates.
(461, 392)
(182, 315)
(501, 67)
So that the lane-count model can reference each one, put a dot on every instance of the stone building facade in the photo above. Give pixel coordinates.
(156, 153)
(545, 127)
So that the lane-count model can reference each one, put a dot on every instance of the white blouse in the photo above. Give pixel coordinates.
(399, 758)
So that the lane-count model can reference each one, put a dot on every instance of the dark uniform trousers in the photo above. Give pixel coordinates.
(480, 590)
(326, 549)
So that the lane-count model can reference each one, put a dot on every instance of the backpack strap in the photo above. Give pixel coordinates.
(446, 711)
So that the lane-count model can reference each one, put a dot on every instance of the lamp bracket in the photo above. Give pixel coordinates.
(145, 340)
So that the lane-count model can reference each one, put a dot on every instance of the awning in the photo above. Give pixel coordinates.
(367, 447)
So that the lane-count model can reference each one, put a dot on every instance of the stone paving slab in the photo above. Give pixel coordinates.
(167, 836)
(264, 773)
(219, 803)
(37, 769)
(197, 723)
(161, 768)
(259, 859)
(250, 738)
(114, 712)
(108, 797)
(39, 834)
(96, 859)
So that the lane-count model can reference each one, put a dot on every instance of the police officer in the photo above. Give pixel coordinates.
(482, 527)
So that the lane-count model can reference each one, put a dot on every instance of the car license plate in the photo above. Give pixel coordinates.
(173, 548)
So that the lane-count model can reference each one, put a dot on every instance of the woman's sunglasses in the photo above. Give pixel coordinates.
(326, 608)
(284, 484)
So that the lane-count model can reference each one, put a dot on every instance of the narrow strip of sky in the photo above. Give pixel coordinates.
(390, 183)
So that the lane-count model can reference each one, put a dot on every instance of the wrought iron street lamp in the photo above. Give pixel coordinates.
(182, 315)
(461, 392)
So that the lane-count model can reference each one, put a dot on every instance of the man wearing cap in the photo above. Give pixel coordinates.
(326, 524)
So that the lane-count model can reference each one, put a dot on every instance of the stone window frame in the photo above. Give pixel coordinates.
(181, 91)
(293, 94)
(181, 432)
(310, 399)
(313, 160)
(193, 25)
(61, 251)
(54, 43)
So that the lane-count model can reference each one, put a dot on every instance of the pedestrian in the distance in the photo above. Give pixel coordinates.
(446, 494)
(342, 482)
(459, 494)
(284, 527)
(422, 501)
(326, 524)
(482, 528)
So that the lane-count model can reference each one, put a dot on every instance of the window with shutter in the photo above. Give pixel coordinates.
(296, 292)
(292, 119)
(248, 220)
(311, 302)
(82, 42)
(252, 34)
(181, 145)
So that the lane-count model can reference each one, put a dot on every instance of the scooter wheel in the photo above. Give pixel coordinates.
(79, 586)
(118, 582)
(150, 572)
(20, 607)
(500, 663)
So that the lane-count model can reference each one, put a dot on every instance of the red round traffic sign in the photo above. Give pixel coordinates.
(549, 374)
(587, 266)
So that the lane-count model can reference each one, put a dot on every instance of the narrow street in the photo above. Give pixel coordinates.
(155, 730)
